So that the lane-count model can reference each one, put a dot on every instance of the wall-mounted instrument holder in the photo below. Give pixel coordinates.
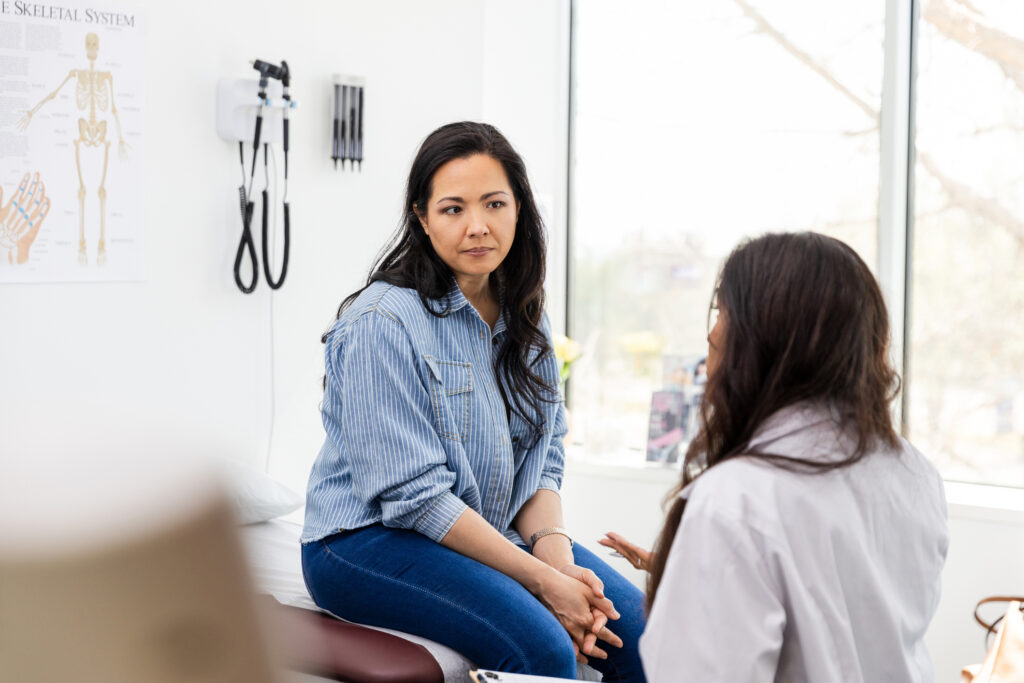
(347, 113)
(237, 103)
(242, 106)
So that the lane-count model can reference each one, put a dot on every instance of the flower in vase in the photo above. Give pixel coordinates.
(566, 352)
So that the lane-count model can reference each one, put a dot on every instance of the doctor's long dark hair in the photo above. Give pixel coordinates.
(804, 320)
(409, 260)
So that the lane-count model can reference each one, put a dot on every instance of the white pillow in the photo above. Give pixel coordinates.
(258, 497)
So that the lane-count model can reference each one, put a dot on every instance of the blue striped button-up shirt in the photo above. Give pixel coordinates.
(416, 427)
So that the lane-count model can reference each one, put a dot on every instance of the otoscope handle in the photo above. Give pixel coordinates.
(259, 127)
(286, 148)
(256, 140)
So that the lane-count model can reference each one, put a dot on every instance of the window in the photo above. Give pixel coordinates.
(695, 125)
(965, 372)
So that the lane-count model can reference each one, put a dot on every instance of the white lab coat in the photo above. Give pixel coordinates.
(787, 576)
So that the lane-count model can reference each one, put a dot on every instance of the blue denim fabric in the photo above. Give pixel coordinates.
(401, 579)
(417, 430)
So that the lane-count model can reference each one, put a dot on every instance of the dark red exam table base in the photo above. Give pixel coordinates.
(317, 643)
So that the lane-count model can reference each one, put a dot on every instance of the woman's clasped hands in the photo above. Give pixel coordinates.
(575, 595)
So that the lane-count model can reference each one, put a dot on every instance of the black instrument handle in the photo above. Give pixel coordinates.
(286, 148)
(359, 135)
(256, 141)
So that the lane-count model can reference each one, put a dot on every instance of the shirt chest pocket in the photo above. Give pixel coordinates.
(451, 386)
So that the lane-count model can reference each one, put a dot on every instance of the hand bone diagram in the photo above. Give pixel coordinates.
(21, 217)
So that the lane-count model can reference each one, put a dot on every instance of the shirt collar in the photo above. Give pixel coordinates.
(500, 326)
(791, 420)
(801, 424)
(455, 300)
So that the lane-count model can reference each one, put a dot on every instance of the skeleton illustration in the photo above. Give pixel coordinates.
(94, 91)
(22, 217)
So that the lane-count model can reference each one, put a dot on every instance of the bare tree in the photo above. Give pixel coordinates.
(960, 22)
(943, 336)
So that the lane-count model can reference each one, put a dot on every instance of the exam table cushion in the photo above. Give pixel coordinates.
(276, 563)
(320, 644)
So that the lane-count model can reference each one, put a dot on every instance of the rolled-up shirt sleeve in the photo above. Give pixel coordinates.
(554, 460)
(553, 469)
(378, 413)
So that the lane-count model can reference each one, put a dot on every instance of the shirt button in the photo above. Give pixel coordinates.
(495, 341)
(515, 439)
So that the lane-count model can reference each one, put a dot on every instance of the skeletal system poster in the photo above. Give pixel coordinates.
(71, 166)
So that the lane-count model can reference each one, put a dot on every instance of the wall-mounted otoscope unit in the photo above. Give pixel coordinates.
(241, 107)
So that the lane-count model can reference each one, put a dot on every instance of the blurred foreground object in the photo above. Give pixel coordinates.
(1005, 660)
(117, 571)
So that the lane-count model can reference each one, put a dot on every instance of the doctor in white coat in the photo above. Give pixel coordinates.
(806, 540)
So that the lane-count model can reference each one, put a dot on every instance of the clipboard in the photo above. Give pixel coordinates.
(486, 676)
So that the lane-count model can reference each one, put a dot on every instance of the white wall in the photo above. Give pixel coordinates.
(185, 361)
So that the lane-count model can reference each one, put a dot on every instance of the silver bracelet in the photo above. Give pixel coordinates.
(546, 531)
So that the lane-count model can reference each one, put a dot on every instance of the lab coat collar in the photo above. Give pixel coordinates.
(801, 425)
(791, 420)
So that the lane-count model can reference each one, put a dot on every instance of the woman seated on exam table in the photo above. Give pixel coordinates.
(806, 539)
(433, 506)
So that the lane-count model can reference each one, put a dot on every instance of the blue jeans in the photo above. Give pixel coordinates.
(402, 580)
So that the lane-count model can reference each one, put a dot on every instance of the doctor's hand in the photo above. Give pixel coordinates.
(639, 557)
(581, 611)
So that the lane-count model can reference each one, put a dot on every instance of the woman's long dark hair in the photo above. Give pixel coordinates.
(805, 321)
(409, 260)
